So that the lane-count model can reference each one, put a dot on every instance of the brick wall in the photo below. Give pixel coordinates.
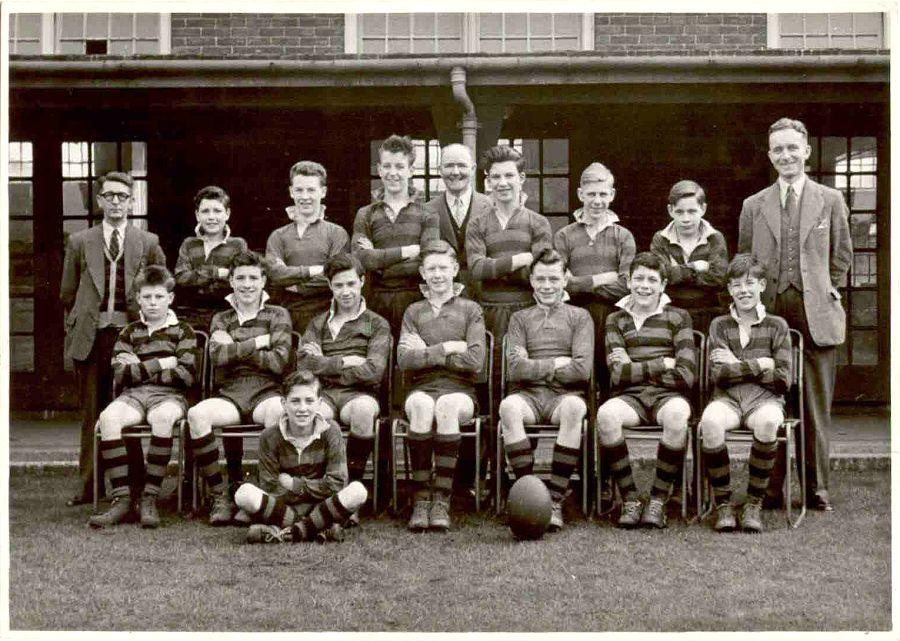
(679, 33)
(260, 35)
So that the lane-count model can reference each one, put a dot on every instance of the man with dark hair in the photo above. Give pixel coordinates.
(799, 229)
(249, 345)
(154, 363)
(297, 253)
(97, 291)
(348, 347)
(550, 355)
(302, 473)
(652, 363)
(388, 233)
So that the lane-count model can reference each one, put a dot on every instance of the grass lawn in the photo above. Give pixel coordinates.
(831, 574)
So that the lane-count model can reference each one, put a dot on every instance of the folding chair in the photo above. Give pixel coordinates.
(237, 431)
(143, 431)
(793, 422)
(538, 431)
(654, 432)
(470, 429)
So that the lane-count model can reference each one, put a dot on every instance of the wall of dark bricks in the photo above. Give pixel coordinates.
(257, 35)
(679, 33)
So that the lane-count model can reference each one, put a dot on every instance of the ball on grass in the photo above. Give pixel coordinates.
(528, 508)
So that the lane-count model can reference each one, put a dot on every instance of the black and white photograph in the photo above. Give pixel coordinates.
(444, 317)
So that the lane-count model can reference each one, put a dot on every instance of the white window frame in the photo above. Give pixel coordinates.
(470, 33)
(773, 29)
(50, 43)
(45, 37)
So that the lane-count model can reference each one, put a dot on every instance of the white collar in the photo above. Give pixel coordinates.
(171, 319)
(301, 443)
(333, 308)
(670, 233)
(760, 314)
(465, 197)
(797, 185)
(241, 318)
(427, 295)
(198, 230)
(627, 303)
(611, 218)
(108, 230)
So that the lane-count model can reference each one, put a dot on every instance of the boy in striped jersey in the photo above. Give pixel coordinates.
(348, 347)
(652, 363)
(750, 366)
(550, 354)
(296, 253)
(442, 345)
(249, 346)
(302, 473)
(388, 233)
(154, 362)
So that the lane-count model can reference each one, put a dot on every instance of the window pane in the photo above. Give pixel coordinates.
(817, 42)
(146, 46)
(75, 198)
(435, 186)
(97, 26)
(29, 25)
(515, 24)
(841, 23)
(419, 184)
(139, 223)
(419, 162)
(834, 153)
(21, 353)
(531, 189)
(862, 192)
(816, 23)
(531, 151)
(21, 275)
(450, 46)
(21, 315)
(147, 25)
(869, 23)
(791, 22)
(134, 158)
(869, 42)
(374, 185)
(840, 354)
(864, 153)
(373, 46)
(398, 24)
(21, 237)
(491, 46)
(449, 24)
(556, 195)
(842, 42)
(864, 308)
(865, 347)
(28, 48)
(120, 48)
(72, 48)
(373, 24)
(71, 25)
(539, 44)
(423, 24)
(434, 157)
(139, 193)
(75, 159)
(556, 156)
(20, 199)
(792, 42)
(515, 45)
(104, 158)
(423, 46)
(122, 25)
(566, 44)
(491, 24)
(398, 46)
(863, 230)
(812, 163)
(540, 24)
(864, 269)
(567, 24)
(72, 226)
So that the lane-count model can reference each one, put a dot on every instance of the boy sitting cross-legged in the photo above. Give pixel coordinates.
(302, 473)
(154, 362)
(750, 366)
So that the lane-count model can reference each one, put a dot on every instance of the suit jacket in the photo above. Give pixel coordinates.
(84, 281)
(825, 252)
(478, 205)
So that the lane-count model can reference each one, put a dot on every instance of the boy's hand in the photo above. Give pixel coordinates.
(409, 251)
(520, 351)
(222, 337)
(700, 265)
(523, 259)
(619, 356)
(127, 358)
(364, 243)
(455, 347)
(722, 356)
(316, 270)
(766, 363)
(286, 481)
(561, 361)
(169, 362)
(223, 273)
(353, 360)
(311, 349)
(262, 342)
(606, 278)
(668, 362)
(413, 341)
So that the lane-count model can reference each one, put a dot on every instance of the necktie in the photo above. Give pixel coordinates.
(790, 203)
(458, 213)
(114, 245)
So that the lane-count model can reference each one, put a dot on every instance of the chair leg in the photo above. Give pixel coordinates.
(477, 464)
(800, 455)
(685, 478)
(585, 481)
(394, 466)
(96, 455)
(498, 467)
(375, 462)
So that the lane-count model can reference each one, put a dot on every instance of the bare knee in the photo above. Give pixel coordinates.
(572, 411)
(112, 419)
(673, 416)
(511, 411)
(162, 419)
(765, 423)
(420, 410)
(198, 422)
(362, 413)
(609, 424)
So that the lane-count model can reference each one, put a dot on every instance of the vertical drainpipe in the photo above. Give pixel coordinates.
(469, 123)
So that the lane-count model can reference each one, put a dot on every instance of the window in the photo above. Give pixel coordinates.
(850, 164)
(25, 31)
(546, 176)
(432, 33)
(426, 170)
(120, 34)
(827, 31)
(21, 257)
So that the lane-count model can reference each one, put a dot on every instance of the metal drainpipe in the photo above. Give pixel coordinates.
(469, 123)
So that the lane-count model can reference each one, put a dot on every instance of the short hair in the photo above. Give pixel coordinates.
(396, 145)
(154, 276)
(502, 153)
(745, 265)
(649, 260)
(246, 259)
(300, 377)
(212, 192)
(441, 247)
(596, 172)
(550, 256)
(456, 145)
(788, 123)
(341, 263)
(116, 177)
(309, 168)
(686, 189)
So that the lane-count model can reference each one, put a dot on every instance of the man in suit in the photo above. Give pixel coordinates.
(99, 269)
(459, 204)
(799, 229)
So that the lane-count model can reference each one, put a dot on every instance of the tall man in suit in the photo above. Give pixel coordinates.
(459, 204)
(99, 269)
(799, 229)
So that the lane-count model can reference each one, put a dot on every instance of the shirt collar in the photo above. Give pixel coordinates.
(797, 186)
(564, 299)
(241, 319)
(108, 230)
(426, 293)
(760, 313)
(415, 196)
(611, 218)
(171, 319)
(670, 233)
(320, 424)
(198, 230)
(332, 309)
(465, 197)
(292, 214)
(627, 303)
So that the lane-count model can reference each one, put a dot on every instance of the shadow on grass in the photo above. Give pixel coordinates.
(831, 574)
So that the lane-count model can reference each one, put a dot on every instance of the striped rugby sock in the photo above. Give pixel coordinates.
(206, 453)
(446, 453)
(520, 456)
(620, 466)
(564, 461)
(116, 460)
(420, 446)
(358, 450)
(668, 465)
(718, 471)
(158, 455)
(762, 460)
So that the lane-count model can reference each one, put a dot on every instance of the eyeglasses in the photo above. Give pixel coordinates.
(115, 196)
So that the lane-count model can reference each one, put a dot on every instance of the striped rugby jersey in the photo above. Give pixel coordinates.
(769, 338)
(288, 256)
(241, 358)
(686, 286)
(176, 339)
(611, 250)
(197, 275)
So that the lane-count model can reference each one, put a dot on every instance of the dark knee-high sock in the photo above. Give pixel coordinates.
(322, 516)
(158, 455)
(762, 460)
(234, 455)
(564, 461)
(718, 471)
(206, 452)
(273, 510)
(358, 450)
(446, 454)
(116, 460)
(620, 467)
(520, 456)
(668, 465)
(420, 446)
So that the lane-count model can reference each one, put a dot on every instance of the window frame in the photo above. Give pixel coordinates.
(50, 33)
(15, 334)
(773, 29)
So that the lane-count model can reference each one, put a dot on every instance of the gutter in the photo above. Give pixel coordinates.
(469, 124)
